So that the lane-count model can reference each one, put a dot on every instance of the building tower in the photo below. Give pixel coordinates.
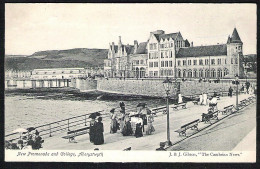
(235, 55)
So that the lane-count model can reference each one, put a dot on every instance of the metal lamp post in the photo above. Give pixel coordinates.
(167, 86)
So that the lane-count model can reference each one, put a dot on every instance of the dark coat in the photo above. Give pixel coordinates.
(91, 130)
(98, 133)
(138, 131)
(127, 129)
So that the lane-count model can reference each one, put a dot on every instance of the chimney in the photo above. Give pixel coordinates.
(119, 41)
(135, 46)
(113, 46)
(191, 44)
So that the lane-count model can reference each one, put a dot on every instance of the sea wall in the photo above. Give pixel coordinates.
(84, 84)
(152, 88)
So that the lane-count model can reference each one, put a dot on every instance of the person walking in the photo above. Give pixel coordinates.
(91, 128)
(113, 123)
(122, 106)
(230, 91)
(247, 87)
(150, 121)
(98, 132)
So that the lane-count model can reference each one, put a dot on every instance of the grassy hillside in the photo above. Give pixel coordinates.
(81, 57)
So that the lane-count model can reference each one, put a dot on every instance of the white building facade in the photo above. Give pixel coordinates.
(58, 73)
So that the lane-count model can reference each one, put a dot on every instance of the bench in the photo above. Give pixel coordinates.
(74, 133)
(227, 109)
(159, 109)
(183, 105)
(192, 125)
(206, 117)
(244, 102)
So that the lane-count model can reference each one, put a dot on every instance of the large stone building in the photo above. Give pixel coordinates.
(126, 60)
(170, 55)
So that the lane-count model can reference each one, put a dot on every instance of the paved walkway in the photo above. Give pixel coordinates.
(148, 142)
(248, 143)
(226, 134)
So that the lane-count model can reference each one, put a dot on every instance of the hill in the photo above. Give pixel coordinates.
(79, 57)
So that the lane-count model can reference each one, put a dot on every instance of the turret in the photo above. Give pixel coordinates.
(235, 54)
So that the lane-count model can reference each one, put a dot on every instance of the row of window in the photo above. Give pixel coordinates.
(153, 46)
(202, 73)
(166, 55)
(166, 45)
(206, 62)
(165, 72)
(56, 72)
(163, 64)
(137, 62)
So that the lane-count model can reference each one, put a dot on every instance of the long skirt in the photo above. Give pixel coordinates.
(127, 129)
(113, 126)
(138, 131)
(150, 128)
(99, 138)
(122, 123)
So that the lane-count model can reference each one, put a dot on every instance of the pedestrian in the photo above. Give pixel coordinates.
(113, 123)
(150, 121)
(247, 87)
(230, 90)
(91, 128)
(122, 120)
(127, 129)
(205, 97)
(138, 130)
(242, 88)
(122, 106)
(98, 132)
(179, 99)
(201, 99)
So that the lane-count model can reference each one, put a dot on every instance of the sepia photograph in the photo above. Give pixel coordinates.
(130, 82)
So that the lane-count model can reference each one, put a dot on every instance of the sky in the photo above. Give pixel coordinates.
(36, 27)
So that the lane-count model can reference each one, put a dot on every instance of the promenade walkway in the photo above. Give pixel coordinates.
(148, 142)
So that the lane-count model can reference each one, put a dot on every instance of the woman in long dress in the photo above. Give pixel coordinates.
(91, 129)
(127, 129)
(113, 124)
(122, 120)
(98, 132)
(150, 121)
(139, 126)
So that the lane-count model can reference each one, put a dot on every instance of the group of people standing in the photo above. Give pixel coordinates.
(142, 120)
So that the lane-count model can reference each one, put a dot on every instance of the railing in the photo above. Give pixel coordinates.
(48, 130)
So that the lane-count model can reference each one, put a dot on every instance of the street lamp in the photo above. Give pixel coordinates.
(167, 84)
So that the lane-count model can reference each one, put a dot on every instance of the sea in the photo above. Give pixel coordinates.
(35, 107)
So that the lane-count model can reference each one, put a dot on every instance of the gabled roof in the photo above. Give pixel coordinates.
(166, 36)
(213, 50)
(142, 48)
(235, 37)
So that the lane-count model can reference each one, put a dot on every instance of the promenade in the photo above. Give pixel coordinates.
(177, 119)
